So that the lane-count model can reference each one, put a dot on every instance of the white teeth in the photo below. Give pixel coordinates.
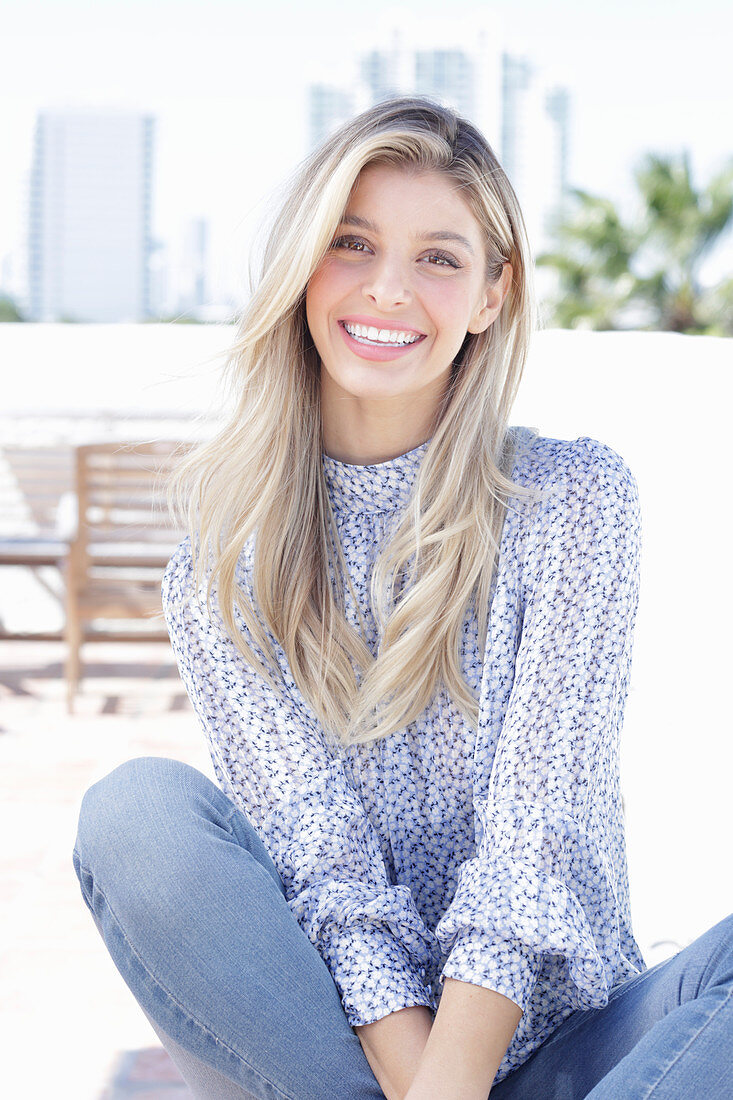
(380, 336)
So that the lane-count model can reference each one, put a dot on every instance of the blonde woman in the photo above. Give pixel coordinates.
(406, 629)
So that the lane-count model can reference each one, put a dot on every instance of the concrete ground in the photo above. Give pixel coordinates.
(69, 1025)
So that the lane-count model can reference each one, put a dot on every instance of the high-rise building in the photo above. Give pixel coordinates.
(328, 108)
(534, 143)
(380, 73)
(447, 76)
(192, 272)
(557, 103)
(517, 74)
(89, 233)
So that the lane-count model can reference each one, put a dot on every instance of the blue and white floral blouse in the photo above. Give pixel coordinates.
(495, 857)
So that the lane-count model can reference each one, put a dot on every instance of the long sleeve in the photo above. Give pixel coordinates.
(271, 758)
(549, 864)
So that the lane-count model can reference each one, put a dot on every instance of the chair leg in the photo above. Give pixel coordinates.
(72, 630)
(73, 665)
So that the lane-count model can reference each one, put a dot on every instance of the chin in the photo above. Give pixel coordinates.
(373, 378)
(378, 388)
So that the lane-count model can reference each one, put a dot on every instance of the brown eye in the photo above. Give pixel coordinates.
(443, 259)
(351, 244)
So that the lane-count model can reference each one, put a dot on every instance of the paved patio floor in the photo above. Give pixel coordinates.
(70, 1027)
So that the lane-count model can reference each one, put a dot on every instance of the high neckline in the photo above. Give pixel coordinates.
(377, 487)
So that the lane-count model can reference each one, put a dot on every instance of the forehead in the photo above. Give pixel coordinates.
(412, 195)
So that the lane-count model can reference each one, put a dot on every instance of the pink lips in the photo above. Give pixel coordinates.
(377, 354)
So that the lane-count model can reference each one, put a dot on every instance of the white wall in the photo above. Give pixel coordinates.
(663, 402)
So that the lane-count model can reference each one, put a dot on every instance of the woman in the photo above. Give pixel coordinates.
(411, 878)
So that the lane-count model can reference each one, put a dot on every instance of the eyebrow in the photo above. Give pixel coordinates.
(437, 235)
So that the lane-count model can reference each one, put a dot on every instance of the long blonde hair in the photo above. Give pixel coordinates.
(259, 485)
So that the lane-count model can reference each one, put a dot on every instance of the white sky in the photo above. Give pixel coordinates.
(227, 79)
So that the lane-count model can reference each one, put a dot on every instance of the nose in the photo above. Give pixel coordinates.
(387, 283)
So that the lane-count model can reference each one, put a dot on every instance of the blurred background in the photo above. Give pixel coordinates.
(143, 143)
(145, 148)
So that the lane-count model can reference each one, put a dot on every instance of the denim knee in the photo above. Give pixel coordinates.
(130, 796)
(719, 942)
(142, 826)
(132, 823)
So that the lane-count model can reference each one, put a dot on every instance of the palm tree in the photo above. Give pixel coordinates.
(645, 273)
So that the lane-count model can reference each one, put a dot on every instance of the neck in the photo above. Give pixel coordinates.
(369, 452)
(366, 432)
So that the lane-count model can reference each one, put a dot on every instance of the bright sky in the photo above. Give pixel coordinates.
(227, 82)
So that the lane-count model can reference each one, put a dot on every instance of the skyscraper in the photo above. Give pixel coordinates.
(557, 102)
(192, 271)
(534, 143)
(380, 73)
(89, 236)
(447, 76)
(328, 108)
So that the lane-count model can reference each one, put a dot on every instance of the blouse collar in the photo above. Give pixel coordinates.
(381, 487)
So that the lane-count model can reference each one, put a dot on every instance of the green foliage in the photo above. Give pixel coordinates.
(644, 273)
(8, 309)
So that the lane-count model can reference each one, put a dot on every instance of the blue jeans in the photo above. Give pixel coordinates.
(192, 910)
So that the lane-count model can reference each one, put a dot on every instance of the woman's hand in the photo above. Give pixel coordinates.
(394, 1046)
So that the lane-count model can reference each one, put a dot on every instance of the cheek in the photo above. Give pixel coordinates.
(314, 300)
(449, 309)
(325, 289)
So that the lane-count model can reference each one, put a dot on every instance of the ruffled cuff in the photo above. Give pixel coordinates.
(378, 950)
(507, 968)
(374, 974)
(515, 912)
(368, 932)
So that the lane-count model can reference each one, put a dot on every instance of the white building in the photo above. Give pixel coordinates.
(192, 271)
(328, 107)
(534, 143)
(448, 76)
(89, 216)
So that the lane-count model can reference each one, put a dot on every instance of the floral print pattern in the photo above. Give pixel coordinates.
(494, 856)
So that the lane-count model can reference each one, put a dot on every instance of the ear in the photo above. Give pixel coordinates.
(492, 301)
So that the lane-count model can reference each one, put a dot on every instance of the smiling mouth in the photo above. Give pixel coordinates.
(379, 338)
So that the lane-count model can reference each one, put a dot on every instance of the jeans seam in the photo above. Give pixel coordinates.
(174, 1001)
(234, 810)
(679, 1054)
(712, 962)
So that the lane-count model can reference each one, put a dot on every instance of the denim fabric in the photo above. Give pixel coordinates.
(192, 910)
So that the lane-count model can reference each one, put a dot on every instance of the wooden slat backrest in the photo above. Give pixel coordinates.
(121, 490)
(33, 481)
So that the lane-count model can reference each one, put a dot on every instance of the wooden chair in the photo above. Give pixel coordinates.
(36, 515)
(123, 541)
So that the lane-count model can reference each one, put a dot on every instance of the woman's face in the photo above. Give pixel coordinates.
(402, 283)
